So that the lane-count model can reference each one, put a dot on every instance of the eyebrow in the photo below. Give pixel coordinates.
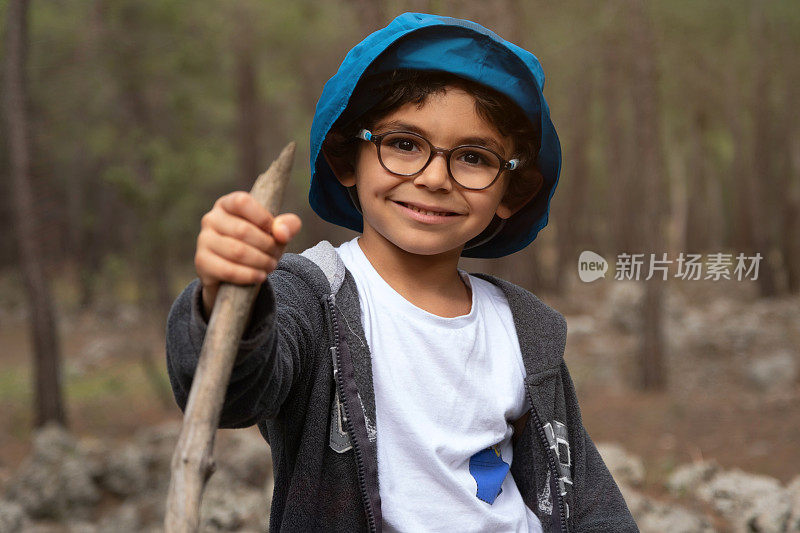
(487, 142)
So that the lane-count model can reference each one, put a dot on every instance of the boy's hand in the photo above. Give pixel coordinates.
(239, 242)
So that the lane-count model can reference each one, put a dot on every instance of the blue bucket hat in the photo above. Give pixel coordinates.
(435, 43)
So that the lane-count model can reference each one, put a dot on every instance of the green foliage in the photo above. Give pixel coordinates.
(15, 384)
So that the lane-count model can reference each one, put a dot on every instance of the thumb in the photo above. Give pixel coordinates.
(285, 226)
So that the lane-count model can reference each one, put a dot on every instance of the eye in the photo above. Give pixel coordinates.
(403, 142)
(474, 157)
(405, 145)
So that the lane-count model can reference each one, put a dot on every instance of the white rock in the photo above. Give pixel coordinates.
(227, 506)
(124, 519)
(769, 514)
(736, 494)
(687, 478)
(52, 442)
(126, 471)
(581, 326)
(624, 303)
(55, 480)
(673, 520)
(81, 526)
(776, 371)
(624, 466)
(12, 516)
(638, 504)
(793, 490)
(158, 442)
(247, 457)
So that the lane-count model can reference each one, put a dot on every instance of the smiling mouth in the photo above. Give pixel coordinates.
(426, 212)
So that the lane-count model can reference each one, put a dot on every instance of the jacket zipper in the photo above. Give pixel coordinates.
(551, 461)
(347, 419)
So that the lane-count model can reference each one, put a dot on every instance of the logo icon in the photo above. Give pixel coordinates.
(591, 266)
(489, 470)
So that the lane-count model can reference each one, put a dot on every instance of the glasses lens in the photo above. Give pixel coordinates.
(404, 153)
(474, 167)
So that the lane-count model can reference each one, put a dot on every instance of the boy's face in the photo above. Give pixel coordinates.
(447, 120)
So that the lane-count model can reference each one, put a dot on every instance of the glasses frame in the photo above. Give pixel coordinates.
(366, 135)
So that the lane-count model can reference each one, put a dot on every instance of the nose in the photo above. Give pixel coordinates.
(435, 176)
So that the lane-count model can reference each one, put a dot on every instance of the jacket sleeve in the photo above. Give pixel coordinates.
(285, 325)
(598, 502)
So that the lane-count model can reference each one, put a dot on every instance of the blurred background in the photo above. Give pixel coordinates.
(126, 119)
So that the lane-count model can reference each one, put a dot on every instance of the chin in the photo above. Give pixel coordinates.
(427, 246)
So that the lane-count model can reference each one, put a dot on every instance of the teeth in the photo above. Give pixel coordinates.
(418, 210)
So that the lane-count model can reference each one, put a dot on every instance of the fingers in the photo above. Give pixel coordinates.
(239, 252)
(285, 227)
(220, 268)
(240, 216)
(223, 223)
(240, 241)
(243, 204)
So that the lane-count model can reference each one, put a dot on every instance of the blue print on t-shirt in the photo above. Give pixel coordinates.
(489, 471)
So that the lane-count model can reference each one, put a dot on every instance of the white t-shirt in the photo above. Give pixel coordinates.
(446, 392)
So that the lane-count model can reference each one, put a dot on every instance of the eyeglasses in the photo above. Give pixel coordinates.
(404, 153)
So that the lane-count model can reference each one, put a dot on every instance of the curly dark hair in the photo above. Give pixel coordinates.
(402, 86)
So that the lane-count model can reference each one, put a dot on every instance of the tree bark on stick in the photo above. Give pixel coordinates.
(192, 462)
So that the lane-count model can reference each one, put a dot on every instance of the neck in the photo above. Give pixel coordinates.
(437, 273)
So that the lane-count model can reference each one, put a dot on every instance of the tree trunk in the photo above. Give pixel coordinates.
(621, 187)
(679, 186)
(760, 180)
(790, 145)
(249, 131)
(742, 219)
(44, 331)
(696, 230)
(126, 65)
(697, 222)
(572, 217)
(791, 215)
(650, 166)
(712, 185)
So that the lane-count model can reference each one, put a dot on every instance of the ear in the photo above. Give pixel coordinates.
(343, 171)
(511, 203)
(506, 210)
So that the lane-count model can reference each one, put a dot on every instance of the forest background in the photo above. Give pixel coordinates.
(678, 124)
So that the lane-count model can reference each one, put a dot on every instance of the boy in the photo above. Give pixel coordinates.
(396, 391)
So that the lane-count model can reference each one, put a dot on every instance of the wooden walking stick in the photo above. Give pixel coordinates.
(193, 462)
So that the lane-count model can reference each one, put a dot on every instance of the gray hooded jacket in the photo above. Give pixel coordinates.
(304, 375)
